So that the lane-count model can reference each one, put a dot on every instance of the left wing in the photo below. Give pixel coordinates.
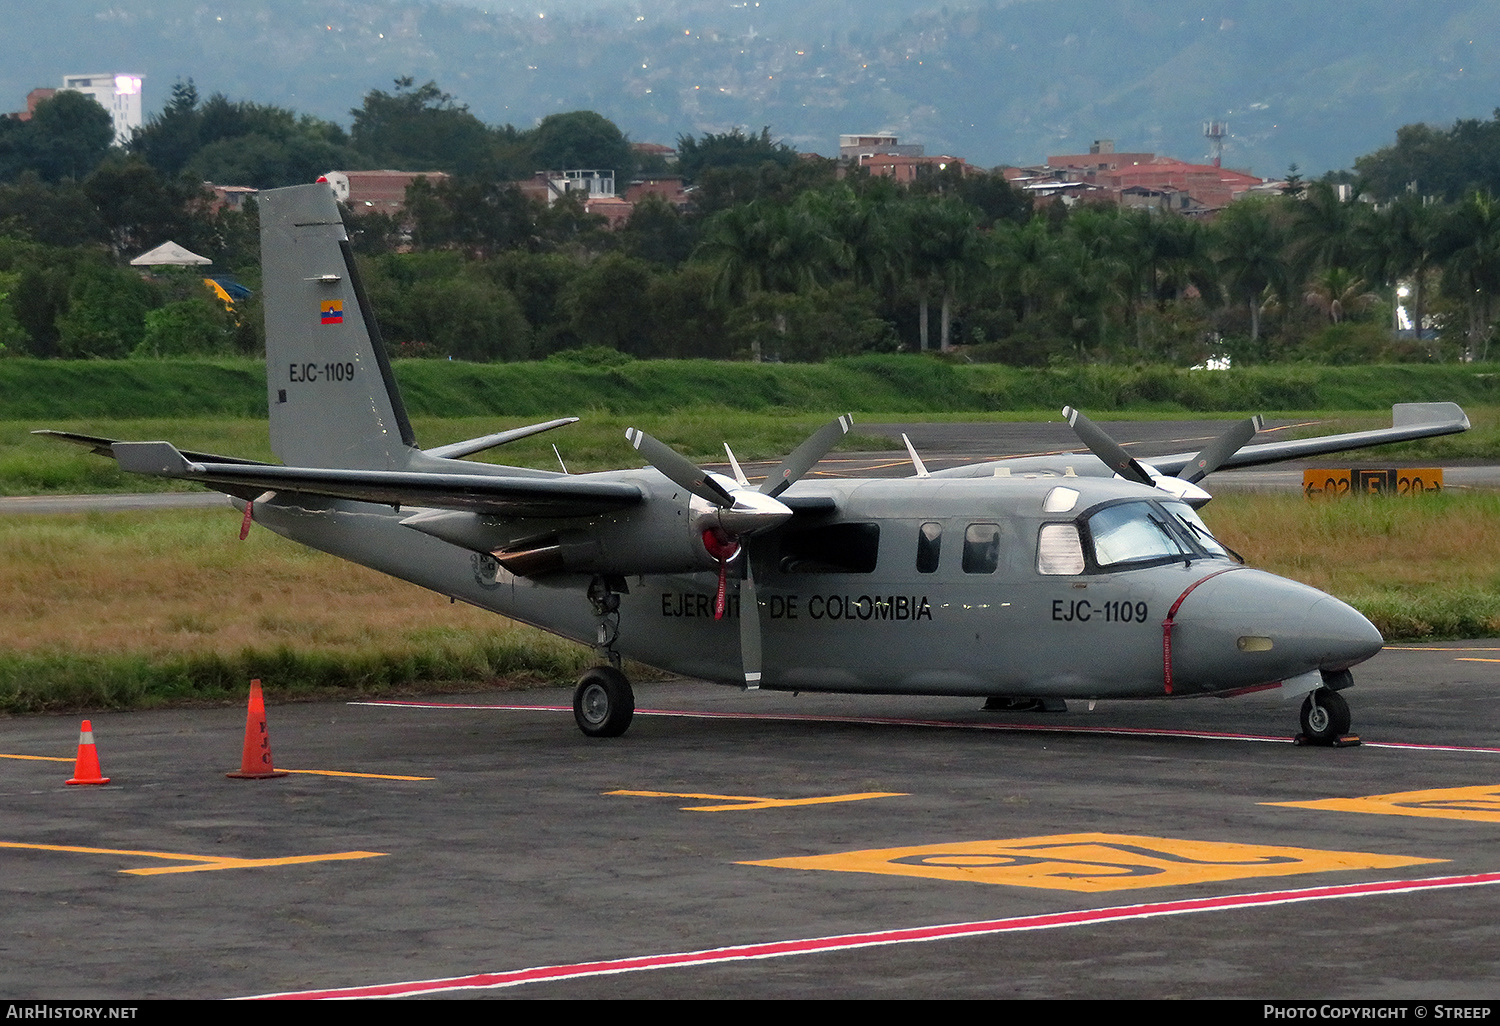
(494, 494)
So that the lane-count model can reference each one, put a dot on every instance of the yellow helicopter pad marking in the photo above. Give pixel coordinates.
(201, 863)
(1093, 862)
(743, 802)
(1477, 803)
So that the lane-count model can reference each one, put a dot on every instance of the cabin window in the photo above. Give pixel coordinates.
(929, 547)
(831, 549)
(981, 548)
(1059, 550)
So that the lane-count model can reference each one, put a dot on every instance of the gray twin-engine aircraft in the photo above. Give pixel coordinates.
(1026, 581)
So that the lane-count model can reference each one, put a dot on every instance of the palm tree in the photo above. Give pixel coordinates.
(1337, 293)
(944, 244)
(1470, 249)
(1248, 244)
(764, 247)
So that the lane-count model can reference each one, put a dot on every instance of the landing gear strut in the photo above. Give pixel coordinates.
(603, 703)
(1325, 717)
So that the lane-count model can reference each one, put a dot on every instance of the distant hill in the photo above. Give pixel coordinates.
(1318, 83)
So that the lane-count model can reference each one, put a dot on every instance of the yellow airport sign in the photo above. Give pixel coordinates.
(1328, 482)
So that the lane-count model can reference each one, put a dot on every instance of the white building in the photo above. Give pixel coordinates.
(118, 94)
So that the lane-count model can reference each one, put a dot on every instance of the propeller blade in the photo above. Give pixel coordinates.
(678, 468)
(1220, 449)
(749, 628)
(807, 455)
(1106, 448)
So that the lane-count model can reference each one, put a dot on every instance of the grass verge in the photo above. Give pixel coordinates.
(128, 610)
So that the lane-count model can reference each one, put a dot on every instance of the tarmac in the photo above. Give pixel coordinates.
(483, 843)
(765, 845)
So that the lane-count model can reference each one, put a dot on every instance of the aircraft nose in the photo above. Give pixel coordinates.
(1250, 627)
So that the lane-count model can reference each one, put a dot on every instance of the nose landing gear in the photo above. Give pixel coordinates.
(1325, 719)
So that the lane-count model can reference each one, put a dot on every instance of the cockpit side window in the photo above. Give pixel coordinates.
(981, 548)
(831, 549)
(1059, 550)
(929, 547)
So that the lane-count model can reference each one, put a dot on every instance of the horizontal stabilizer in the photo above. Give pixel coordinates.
(100, 446)
(457, 450)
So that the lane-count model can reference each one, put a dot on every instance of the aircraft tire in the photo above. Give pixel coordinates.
(603, 702)
(1328, 719)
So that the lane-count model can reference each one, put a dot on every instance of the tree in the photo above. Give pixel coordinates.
(1248, 244)
(733, 149)
(944, 243)
(581, 140)
(1470, 250)
(420, 128)
(66, 138)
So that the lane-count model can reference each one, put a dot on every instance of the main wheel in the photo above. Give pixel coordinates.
(1325, 716)
(603, 703)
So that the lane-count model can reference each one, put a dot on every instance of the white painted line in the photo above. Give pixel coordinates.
(911, 935)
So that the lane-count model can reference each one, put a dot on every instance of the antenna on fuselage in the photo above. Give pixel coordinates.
(916, 460)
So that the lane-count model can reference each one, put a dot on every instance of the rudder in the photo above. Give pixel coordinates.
(333, 400)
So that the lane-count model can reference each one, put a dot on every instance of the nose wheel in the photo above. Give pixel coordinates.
(1325, 717)
(603, 702)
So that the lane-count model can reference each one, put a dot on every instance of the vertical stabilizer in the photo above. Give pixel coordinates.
(333, 400)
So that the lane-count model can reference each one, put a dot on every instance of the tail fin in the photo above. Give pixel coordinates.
(333, 399)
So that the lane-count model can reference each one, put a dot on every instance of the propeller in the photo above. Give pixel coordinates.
(1184, 486)
(740, 512)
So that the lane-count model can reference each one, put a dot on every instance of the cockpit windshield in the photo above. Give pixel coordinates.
(1189, 518)
(1135, 532)
(1149, 532)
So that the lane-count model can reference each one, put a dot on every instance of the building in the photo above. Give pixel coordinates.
(855, 147)
(669, 187)
(907, 169)
(119, 94)
(550, 186)
(1141, 180)
(366, 192)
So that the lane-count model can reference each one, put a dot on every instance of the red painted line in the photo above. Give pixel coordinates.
(911, 935)
(894, 721)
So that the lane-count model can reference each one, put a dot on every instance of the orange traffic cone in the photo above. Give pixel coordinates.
(255, 763)
(86, 769)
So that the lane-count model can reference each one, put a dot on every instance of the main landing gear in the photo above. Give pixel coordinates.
(603, 702)
(1325, 714)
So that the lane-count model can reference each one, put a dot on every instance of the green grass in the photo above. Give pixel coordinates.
(73, 390)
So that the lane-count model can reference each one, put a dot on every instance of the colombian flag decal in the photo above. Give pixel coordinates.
(333, 311)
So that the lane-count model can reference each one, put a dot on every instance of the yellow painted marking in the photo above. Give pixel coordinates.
(1092, 862)
(741, 802)
(201, 863)
(1434, 648)
(39, 758)
(343, 773)
(1473, 659)
(1477, 803)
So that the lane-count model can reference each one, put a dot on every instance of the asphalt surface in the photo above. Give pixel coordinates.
(513, 855)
